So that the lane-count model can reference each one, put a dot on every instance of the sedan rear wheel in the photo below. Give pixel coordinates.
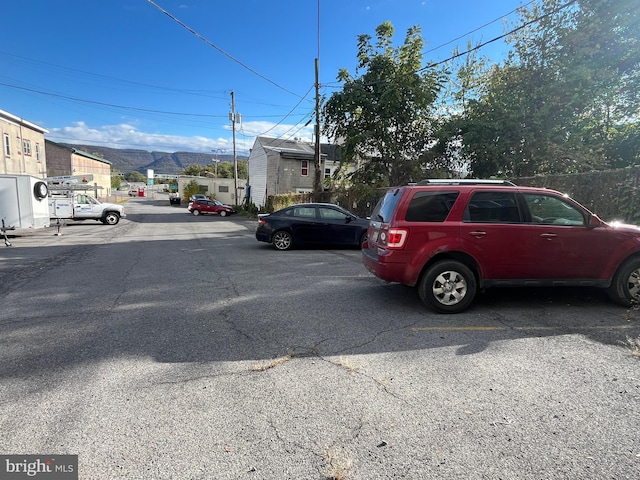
(363, 238)
(625, 287)
(282, 240)
(447, 287)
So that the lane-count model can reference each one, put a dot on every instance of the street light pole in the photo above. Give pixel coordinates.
(216, 161)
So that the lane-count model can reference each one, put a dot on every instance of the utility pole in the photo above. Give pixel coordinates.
(232, 117)
(317, 182)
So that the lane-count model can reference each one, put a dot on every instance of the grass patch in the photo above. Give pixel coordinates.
(634, 346)
(348, 364)
(383, 382)
(338, 465)
(261, 367)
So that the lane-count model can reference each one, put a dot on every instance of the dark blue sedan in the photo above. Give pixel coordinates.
(311, 224)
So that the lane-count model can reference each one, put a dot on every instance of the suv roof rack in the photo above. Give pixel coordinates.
(462, 181)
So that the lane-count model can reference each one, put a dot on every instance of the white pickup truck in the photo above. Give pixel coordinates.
(80, 206)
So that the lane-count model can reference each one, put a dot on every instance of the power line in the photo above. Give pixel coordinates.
(479, 46)
(125, 81)
(479, 28)
(290, 112)
(110, 104)
(124, 107)
(75, 70)
(228, 55)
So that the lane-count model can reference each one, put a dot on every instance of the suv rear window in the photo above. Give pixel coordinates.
(430, 206)
(386, 206)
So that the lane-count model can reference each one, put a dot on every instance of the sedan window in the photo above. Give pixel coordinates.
(331, 213)
(304, 212)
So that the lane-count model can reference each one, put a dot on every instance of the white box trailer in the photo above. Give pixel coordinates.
(23, 201)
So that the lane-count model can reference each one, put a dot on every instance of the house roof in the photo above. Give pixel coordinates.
(79, 152)
(297, 148)
(21, 121)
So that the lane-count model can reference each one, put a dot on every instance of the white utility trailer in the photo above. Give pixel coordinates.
(23, 202)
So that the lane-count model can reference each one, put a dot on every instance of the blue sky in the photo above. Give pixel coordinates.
(159, 75)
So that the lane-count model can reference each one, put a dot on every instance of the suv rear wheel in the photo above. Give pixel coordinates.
(625, 287)
(447, 286)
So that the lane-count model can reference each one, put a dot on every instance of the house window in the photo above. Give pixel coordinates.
(26, 147)
(38, 152)
(7, 145)
(305, 168)
(327, 173)
(223, 188)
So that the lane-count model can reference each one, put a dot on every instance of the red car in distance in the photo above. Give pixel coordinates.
(213, 207)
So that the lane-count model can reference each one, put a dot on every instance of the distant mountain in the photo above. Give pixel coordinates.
(128, 160)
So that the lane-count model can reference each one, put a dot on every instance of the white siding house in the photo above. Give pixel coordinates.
(278, 166)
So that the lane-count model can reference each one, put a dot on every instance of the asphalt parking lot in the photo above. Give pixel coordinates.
(173, 346)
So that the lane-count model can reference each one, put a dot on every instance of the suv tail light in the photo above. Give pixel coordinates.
(394, 237)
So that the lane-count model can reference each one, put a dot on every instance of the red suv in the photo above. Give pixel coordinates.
(452, 237)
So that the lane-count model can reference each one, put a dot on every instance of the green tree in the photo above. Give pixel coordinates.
(601, 59)
(196, 170)
(135, 176)
(190, 188)
(444, 158)
(223, 170)
(566, 98)
(383, 117)
(116, 179)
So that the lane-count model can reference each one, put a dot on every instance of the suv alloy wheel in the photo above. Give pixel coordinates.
(447, 286)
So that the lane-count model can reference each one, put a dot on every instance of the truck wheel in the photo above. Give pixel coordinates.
(625, 286)
(447, 287)
(111, 218)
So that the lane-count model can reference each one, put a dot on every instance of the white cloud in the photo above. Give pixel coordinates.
(128, 136)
